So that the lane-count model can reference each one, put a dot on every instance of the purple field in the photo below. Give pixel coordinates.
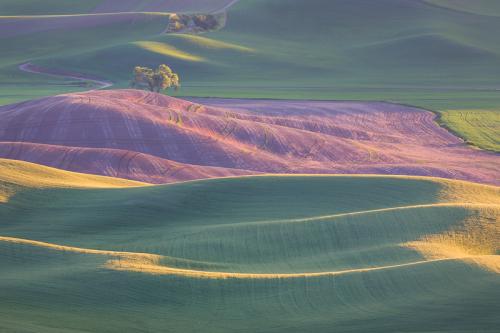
(159, 139)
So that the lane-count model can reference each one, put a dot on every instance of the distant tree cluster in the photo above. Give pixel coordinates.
(195, 22)
(157, 80)
(206, 22)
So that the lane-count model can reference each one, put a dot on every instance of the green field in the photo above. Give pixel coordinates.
(346, 253)
(478, 127)
(408, 51)
(20, 48)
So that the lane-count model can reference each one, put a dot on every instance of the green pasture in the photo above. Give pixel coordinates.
(478, 127)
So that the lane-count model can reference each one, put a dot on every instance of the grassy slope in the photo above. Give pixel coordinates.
(477, 127)
(16, 85)
(17, 175)
(431, 48)
(228, 225)
(411, 51)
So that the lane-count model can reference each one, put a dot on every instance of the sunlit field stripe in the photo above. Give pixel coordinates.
(150, 263)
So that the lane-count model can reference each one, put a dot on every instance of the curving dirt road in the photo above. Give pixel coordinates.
(31, 68)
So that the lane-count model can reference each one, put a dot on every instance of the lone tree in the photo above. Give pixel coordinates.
(157, 80)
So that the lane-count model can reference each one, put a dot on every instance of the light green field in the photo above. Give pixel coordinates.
(478, 127)
(346, 253)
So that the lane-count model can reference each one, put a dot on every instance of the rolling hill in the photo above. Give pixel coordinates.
(435, 54)
(400, 50)
(354, 253)
(301, 185)
(28, 38)
(30, 32)
(158, 139)
(16, 175)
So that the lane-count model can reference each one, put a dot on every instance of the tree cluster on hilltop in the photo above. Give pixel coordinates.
(157, 80)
